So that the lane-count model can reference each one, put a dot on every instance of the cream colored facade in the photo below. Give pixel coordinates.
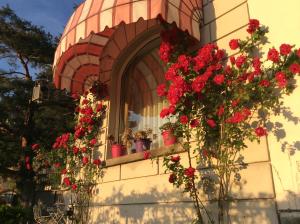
(139, 191)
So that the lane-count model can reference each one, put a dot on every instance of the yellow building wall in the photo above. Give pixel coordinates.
(139, 192)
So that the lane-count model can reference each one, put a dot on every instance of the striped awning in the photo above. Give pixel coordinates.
(93, 24)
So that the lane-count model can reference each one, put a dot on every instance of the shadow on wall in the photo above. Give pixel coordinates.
(128, 209)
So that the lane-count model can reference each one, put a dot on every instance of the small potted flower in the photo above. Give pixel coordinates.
(142, 140)
(167, 131)
(116, 147)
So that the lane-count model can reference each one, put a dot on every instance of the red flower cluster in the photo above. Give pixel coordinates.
(147, 154)
(35, 147)
(184, 119)
(165, 51)
(161, 90)
(211, 123)
(239, 116)
(177, 90)
(219, 79)
(97, 162)
(85, 160)
(61, 141)
(285, 49)
(194, 123)
(294, 68)
(172, 178)
(67, 181)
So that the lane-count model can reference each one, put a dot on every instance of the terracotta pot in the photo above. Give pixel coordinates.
(139, 145)
(116, 150)
(169, 138)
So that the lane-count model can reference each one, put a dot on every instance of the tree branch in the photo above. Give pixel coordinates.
(10, 73)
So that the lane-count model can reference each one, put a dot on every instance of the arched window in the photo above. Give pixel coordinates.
(139, 104)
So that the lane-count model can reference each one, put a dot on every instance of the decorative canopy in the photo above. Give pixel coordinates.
(93, 26)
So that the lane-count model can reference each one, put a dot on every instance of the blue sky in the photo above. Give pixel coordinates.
(51, 14)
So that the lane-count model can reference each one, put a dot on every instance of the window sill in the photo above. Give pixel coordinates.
(162, 151)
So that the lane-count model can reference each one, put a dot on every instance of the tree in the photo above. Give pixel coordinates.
(23, 122)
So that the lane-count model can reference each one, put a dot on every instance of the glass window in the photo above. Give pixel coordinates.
(140, 105)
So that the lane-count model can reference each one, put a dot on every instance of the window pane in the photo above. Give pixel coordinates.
(140, 105)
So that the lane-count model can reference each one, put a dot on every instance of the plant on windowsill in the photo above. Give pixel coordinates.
(170, 133)
(219, 104)
(143, 139)
(117, 148)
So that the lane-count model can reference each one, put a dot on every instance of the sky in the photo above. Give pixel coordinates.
(53, 15)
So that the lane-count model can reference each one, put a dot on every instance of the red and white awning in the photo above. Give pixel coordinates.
(93, 25)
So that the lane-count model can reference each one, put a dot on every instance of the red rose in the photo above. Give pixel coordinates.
(253, 26)
(75, 150)
(164, 112)
(172, 109)
(194, 123)
(35, 146)
(281, 79)
(240, 60)
(294, 68)
(67, 181)
(85, 160)
(234, 44)
(211, 123)
(285, 49)
(273, 55)
(260, 131)
(175, 159)
(220, 111)
(147, 155)
(234, 103)
(183, 62)
(83, 149)
(165, 50)
(74, 187)
(256, 64)
(183, 119)
(189, 172)
(161, 90)
(27, 159)
(93, 142)
(172, 178)
(97, 162)
(264, 83)
(219, 79)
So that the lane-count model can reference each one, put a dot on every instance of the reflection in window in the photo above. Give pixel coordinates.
(140, 105)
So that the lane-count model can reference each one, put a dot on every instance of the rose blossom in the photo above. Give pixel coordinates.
(211, 123)
(67, 181)
(240, 60)
(85, 160)
(253, 26)
(281, 79)
(99, 107)
(74, 187)
(273, 55)
(175, 159)
(264, 83)
(220, 111)
(63, 171)
(189, 172)
(83, 149)
(75, 150)
(164, 112)
(93, 141)
(97, 162)
(285, 49)
(234, 44)
(260, 131)
(183, 119)
(219, 79)
(294, 68)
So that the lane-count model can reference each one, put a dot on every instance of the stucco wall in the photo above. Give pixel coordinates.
(139, 192)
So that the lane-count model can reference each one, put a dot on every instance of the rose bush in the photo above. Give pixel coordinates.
(219, 102)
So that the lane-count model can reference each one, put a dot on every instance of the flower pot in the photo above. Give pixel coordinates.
(169, 138)
(116, 150)
(147, 143)
(139, 145)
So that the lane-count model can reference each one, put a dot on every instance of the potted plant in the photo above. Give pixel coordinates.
(116, 147)
(167, 132)
(143, 140)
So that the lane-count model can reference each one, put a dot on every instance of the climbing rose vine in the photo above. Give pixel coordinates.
(218, 102)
